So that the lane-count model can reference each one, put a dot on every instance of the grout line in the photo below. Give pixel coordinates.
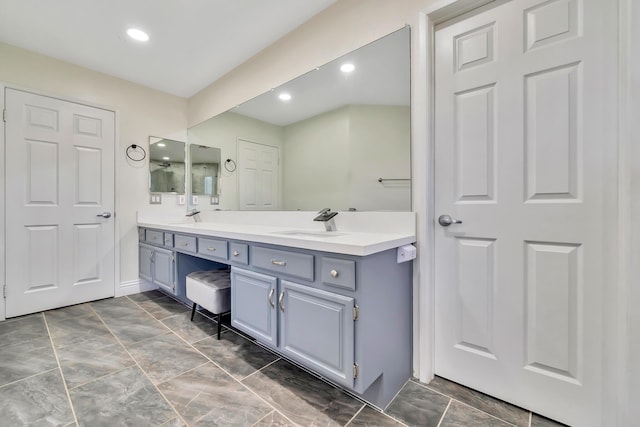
(142, 370)
(356, 414)
(64, 382)
(26, 378)
(445, 412)
(484, 412)
(232, 376)
(270, 413)
(467, 404)
(208, 358)
(260, 370)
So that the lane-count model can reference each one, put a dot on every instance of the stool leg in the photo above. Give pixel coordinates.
(219, 324)
(193, 311)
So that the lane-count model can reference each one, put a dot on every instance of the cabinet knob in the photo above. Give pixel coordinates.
(185, 243)
(280, 263)
(334, 273)
(210, 249)
(280, 302)
(236, 253)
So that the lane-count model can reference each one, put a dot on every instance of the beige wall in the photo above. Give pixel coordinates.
(141, 112)
(223, 131)
(378, 137)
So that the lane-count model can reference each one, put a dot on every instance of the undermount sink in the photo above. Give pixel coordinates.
(303, 233)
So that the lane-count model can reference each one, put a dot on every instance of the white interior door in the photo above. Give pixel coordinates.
(60, 181)
(258, 178)
(519, 159)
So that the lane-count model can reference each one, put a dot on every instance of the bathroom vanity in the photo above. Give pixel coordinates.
(338, 303)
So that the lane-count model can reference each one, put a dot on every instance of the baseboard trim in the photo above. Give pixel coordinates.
(134, 287)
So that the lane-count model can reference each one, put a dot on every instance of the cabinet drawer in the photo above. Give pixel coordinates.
(168, 240)
(239, 253)
(155, 237)
(285, 262)
(213, 248)
(339, 272)
(185, 243)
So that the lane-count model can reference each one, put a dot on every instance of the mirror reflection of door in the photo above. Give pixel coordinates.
(166, 166)
(205, 170)
(258, 179)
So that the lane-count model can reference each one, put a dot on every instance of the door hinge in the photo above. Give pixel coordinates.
(4, 115)
(356, 312)
(4, 291)
(355, 370)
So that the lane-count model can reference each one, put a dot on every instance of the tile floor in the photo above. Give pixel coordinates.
(140, 361)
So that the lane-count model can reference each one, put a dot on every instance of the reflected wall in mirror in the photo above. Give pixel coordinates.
(166, 166)
(336, 135)
(205, 169)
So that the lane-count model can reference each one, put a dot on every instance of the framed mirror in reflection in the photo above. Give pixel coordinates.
(205, 169)
(166, 166)
(324, 139)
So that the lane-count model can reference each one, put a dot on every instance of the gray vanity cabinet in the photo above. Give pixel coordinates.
(316, 329)
(164, 269)
(309, 325)
(157, 265)
(145, 255)
(253, 305)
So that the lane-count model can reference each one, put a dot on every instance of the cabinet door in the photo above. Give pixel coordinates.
(163, 269)
(253, 305)
(145, 254)
(316, 329)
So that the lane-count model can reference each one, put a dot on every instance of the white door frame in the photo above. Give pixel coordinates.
(619, 269)
(116, 144)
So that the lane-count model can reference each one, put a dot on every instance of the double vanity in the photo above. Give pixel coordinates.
(338, 303)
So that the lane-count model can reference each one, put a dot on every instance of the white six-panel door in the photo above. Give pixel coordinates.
(519, 158)
(258, 179)
(59, 194)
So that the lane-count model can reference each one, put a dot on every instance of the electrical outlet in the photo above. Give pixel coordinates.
(182, 199)
(194, 200)
(215, 200)
(155, 199)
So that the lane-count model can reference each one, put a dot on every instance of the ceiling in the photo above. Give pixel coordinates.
(381, 77)
(193, 42)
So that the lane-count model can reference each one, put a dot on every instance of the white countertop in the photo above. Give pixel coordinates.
(360, 243)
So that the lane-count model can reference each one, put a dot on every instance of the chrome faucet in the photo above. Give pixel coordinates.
(326, 216)
(195, 214)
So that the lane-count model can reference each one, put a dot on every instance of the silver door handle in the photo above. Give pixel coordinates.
(280, 301)
(271, 298)
(447, 220)
(105, 215)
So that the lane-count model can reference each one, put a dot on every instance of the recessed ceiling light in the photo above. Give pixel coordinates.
(166, 158)
(284, 96)
(161, 144)
(138, 35)
(347, 68)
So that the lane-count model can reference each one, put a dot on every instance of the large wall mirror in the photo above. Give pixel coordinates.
(166, 166)
(337, 137)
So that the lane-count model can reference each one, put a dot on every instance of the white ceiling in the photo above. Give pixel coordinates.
(381, 77)
(193, 42)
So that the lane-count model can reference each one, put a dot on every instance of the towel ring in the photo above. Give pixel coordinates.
(136, 153)
(230, 165)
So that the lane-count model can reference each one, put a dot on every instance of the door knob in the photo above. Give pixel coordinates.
(447, 220)
(105, 215)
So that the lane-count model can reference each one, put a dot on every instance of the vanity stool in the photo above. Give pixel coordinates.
(210, 290)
